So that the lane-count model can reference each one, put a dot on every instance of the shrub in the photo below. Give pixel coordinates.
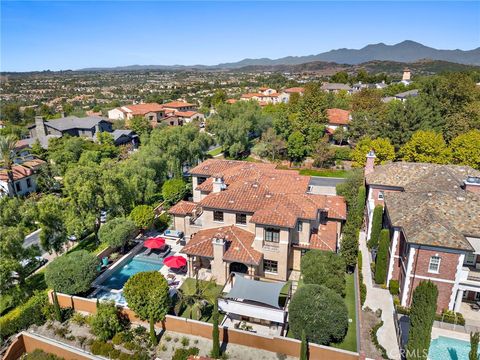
(183, 354)
(422, 315)
(118, 338)
(363, 287)
(106, 322)
(382, 257)
(394, 287)
(102, 348)
(143, 216)
(72, 273)
(79, 319)
(376, 227)
(185, 341)
(319, 311)
(324, 268)
(373, 336)
(343, 153)
(20, 318)
(162, 222)
(40, 355)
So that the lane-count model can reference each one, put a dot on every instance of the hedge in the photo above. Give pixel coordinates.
(363, 287)
(382, 257)
(376, 227)
(20, 318)
(394, 287)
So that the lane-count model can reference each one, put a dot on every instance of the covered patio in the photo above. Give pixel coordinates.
(255, 305)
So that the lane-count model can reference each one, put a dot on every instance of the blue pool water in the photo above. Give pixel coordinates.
(120, 276)
(109, 295)
(445, 348)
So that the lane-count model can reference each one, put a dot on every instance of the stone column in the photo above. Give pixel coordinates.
(458, 300)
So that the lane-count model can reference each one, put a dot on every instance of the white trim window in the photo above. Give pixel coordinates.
(300, 226)
(381, 195)
(434, 264)
(470, 259)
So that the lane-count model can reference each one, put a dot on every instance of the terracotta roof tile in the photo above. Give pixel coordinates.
(238, 245)
(323, 238)
(142, 109)
(176, 104)
(182, 208)
(294, 90)
(338, 116)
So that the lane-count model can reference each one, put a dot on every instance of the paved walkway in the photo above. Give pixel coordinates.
(378, 298)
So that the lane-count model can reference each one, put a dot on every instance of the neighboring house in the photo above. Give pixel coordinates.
(252, 218)
(71, 125)
(179, 106)
(124, 137)
(433, 214)
(153, 112)
(87, 127)
(285, 95)
(189, 116)
(337, 118)
(24, 177)
(336, 87)
(403, 96)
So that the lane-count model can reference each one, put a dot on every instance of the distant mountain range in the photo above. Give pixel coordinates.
(405, 52)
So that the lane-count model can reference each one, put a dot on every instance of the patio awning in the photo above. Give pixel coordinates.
(253, 290)
(475, 242)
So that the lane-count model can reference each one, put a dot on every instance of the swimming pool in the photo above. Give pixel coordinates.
(445, 348)
(120, 276)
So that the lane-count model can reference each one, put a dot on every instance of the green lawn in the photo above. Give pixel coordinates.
(89, 244)
(350, 341)
(215, 152)
(325, 173)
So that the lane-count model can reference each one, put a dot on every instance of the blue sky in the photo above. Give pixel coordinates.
(71, 35)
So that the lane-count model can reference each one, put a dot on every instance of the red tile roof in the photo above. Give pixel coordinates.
(238, 244)
(231, 101)
(294, 90)
(338, 116)
(21, 171)
(186, 113)
(182, 208)
(251, 95)
(142, 109)
(177, 104)
(324, 238)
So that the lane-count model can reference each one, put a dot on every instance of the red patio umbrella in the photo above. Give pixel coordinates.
(175, 261)
(154, 243)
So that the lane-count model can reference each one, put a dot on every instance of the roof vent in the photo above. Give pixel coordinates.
(429, 194)
(460, 198)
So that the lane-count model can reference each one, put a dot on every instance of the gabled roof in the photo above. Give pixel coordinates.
(142, 109)
(186, 113)
(74, 122)
(182, 208)
(324, 238)
(335, 86)
(238, 244)
(22, 170)
(294, 90)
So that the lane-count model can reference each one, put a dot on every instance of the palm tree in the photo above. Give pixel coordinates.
(198, 296)
(7, 154)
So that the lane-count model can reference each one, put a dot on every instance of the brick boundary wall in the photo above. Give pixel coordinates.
(274, 344)
(26, 342)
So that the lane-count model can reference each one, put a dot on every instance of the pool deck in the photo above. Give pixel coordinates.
(437, 332)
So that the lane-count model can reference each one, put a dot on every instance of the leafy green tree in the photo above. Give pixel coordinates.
(474, 339)
(296, 147)
(140, 125)
(426, 146)
(51, 217)
(174, 190)
(324, 268)
(367, 100)
(215, 352)
(143, 216)
(11, 113)
(377, 223)
(422, 316)
(72, 273)
(381, 262)
(8, 153)
(465, 149)
(198, 296)
(117, 232)
(107, 321)
(384, 151)
(340, 77)
(320, 312)
(270, 145)
(324, 154)
(12, 253)
(147, 295)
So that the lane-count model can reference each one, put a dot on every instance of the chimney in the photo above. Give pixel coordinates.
(218, 184)
(41, 131)
(217, 264)
(370, 164)
(97, 132)
(62, 114)
(472, 184)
